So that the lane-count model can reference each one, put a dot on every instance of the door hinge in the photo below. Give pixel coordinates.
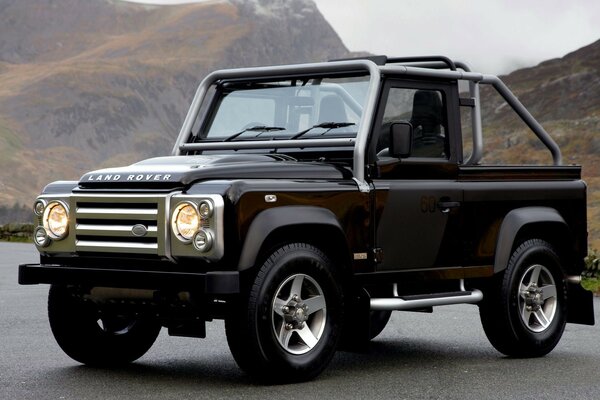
(372, 171)
(378, 255)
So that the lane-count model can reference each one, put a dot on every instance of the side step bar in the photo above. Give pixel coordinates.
(423, 301)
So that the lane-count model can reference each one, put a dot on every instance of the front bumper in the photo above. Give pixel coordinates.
(218, 282)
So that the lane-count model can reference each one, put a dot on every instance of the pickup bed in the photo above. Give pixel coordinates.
(303, 204)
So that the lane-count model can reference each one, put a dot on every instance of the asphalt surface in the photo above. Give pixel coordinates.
(443, 355)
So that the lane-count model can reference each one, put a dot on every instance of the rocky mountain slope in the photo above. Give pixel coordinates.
(564, 96)
(101, 82)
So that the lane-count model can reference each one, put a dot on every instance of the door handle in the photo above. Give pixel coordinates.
(446, 206)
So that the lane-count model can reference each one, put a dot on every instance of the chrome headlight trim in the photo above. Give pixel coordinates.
(40, 237)
(203, 240)
(205, 208)
(212, 224)
(39, 206)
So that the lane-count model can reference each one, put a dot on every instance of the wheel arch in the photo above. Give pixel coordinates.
(308, 224)
(534, 222)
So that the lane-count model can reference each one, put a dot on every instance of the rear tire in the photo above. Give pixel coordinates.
(524, 314)
(97, 338)
(288, 327)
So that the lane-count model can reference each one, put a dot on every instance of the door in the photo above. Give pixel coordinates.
(418, 198)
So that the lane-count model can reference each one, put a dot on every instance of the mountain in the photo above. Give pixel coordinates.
(103, 82)
(563, 94)
(86, 84)
(563, 88)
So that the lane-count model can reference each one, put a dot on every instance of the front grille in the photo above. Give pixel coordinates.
(114, 224)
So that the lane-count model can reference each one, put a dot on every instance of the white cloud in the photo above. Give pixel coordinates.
(494, 36)
(168, 2)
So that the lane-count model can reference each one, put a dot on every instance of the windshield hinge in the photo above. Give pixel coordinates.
(363, 186)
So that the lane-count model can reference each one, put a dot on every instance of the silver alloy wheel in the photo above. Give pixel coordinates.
(537, 298)
(299, 314)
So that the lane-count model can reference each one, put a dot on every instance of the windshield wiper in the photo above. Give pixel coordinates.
(256, 128)
(327, 125)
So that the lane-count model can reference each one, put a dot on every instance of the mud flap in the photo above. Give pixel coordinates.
(580, 303)
(357, 330)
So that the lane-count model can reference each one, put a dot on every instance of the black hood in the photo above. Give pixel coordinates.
(181, 171)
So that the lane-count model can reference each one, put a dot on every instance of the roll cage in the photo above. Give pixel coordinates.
(432, 67)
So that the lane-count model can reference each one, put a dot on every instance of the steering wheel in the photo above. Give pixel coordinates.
(384, 152)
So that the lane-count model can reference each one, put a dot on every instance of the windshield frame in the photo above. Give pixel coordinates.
(335, 68)
(292, 106)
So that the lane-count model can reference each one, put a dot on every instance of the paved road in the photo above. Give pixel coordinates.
(443, 355)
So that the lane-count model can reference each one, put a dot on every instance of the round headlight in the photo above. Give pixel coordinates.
(203, 240)
(38, 207)
(40, 237)
(56, 220)
(205, 208)
(185, 221)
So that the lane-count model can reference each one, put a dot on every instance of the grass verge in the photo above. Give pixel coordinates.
(592, 284)
(16, 239)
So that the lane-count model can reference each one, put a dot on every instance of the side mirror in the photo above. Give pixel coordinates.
(401, 139)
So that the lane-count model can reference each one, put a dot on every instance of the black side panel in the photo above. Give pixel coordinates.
(539, 173)
(415, 230)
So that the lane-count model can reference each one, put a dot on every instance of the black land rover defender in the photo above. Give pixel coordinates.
(303, 204)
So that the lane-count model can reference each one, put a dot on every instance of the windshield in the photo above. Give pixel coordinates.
(289, 109)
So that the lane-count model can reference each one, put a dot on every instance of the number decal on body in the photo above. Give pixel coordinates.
(428, 204)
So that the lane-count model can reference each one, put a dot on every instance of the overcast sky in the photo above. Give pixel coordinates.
(494, 36)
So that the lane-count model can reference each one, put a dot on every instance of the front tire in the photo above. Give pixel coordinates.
(524, 314)
(96, 338)
(287, 330)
